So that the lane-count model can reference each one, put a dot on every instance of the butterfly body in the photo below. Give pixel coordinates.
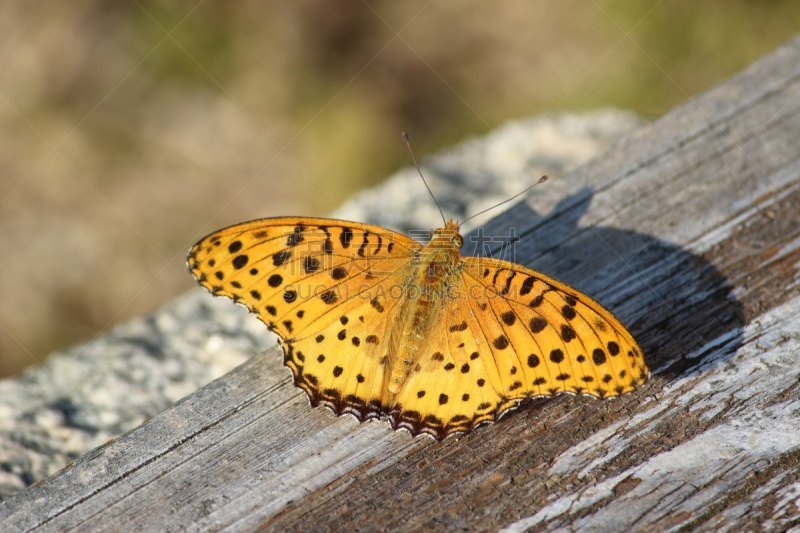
(376, 325)
(432, 275)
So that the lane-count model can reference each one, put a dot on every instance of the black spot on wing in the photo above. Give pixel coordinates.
(327, 246)
(346, 237)
(310, 264)
(362, 249)
(537, 324)
(329, 297)
(458, 327)
(507, 285)
(496, 273)
(501, 342)
(598, 356)
(527, 285)
(296, 237)
(556, 356)
(279, 258)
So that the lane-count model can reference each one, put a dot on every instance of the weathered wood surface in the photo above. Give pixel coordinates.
(689, 232)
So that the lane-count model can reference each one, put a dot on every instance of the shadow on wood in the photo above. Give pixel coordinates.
(675, 302)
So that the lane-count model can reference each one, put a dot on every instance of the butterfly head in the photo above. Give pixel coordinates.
(447, 237)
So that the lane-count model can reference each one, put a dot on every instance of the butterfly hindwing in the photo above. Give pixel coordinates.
(344, 364)
(458, 385)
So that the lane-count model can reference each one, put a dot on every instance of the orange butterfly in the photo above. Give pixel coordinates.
(374, 324)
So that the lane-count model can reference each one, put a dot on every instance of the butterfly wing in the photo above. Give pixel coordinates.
(511, 333)
(580, 346)
(324, 287)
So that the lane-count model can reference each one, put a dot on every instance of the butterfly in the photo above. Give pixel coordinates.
(374, 324)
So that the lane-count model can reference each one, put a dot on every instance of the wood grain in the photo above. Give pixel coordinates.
(689, 232)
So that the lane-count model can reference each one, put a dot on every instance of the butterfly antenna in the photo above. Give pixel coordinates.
(541, 180)
(414, 159)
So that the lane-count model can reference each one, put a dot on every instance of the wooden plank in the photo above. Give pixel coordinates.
(689, 232)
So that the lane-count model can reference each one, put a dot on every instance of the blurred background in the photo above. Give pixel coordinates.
(130, 129)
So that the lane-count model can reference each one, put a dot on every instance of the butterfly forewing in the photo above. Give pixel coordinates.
(563, 339)
(293, 272)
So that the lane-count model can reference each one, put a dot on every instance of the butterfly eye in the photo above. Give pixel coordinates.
(458, 239)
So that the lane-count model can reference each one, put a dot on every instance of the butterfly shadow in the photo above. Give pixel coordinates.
(678, 305)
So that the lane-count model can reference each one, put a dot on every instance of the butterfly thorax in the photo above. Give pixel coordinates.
(430, 287)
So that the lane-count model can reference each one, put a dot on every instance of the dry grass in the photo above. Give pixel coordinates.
(128, 130)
